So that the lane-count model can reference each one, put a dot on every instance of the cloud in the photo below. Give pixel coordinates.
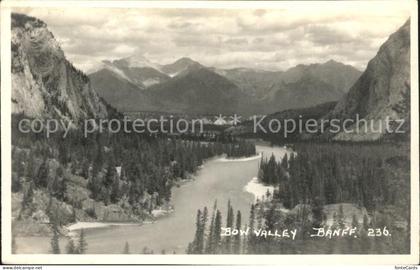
(236, 41)
(257, 38)
(327, 35)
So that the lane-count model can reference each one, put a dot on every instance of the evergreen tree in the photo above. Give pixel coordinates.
(27, 199)
(195, 247)
(317, 213)
(270, 218)
(209, 248)
(251, 237)
(42, 178)
(354, 241)
(203, 223)
(16, 178)
(341, 220)
(227, 243)
(217, 231)
(82, 248)
(115, 190)
(71, 248)
(237, 240)
(55, 246)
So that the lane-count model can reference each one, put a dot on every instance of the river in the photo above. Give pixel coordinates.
(219, 179)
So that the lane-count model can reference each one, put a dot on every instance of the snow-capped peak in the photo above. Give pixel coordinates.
(140, 61)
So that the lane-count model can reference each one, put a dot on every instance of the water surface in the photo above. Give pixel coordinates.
(219, 179)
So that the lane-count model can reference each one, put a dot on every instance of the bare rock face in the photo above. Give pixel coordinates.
(382, 90)
(44, 83)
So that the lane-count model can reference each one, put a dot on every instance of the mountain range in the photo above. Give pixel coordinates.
(45, 84)
(382, 92)
(186, 86)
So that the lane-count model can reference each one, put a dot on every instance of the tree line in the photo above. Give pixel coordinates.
(375, 177)
(266, 215)
(335, 173)
(112, 167)
(208, 239)
(80, 247)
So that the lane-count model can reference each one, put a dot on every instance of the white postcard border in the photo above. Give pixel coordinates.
(7, 257)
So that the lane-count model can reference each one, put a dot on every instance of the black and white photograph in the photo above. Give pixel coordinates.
(131, 129)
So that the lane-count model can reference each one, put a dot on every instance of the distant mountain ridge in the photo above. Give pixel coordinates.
(123, 94)
(260, 82)
(256, 91)
(337, 74)
(181, 67)
(198, 91)
(142, 74)
(383, 90)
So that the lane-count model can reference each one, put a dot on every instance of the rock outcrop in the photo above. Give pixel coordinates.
(44, 83)
(382, 91)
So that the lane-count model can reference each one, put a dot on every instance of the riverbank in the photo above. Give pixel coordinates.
(91, 225)
(219, 178)
(258, 189)
(167, 209)
(226, 159)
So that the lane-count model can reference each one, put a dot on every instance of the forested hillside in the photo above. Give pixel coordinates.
(334, 187)
(108, 177)
(62, 179)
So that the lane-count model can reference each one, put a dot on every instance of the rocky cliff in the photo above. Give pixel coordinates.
(44, 82)
(382, 90)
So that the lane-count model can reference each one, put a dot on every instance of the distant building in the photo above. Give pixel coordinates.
(220, 121)
(118, 169)
(206, 121)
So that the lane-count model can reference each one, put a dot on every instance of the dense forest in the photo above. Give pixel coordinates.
(331, 186)
(372, 235)
(318, 185)
(62, 180)
(359, 174)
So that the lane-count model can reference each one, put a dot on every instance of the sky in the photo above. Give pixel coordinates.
(271, 39)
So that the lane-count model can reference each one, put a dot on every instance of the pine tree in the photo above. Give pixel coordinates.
(55, 246)
(317, 213)
(227, 243)
(27, 199)
(237, 240)
(285, 162)
(365, 243)
(217, 231)
(85, 169)
(270, 219)
(341, 221)
(272, 171)
(115, 190)
(251, 237)
(209, 248)
(17, 169)
(57, 187)
(354, 222)
(82, 248)
(354, 241)
(195, 247)
(42, 178)
(71, 248)
(203, 223)
(110, 175)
